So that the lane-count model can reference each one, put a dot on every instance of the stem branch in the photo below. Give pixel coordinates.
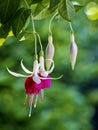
(50, 31)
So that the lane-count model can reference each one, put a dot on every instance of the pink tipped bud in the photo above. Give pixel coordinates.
(49, 52)
(73, 51)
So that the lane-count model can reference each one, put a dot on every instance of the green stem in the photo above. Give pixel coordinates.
(72, 31)
(40, 41)
(34, 31)
(50, 31)
(26, 4)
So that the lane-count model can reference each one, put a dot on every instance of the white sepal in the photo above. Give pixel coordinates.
(35, 67)
(41, 59)
(16, 74)
(42, 70)
(44, 73)
(24, 68)
(51, 77)
(36, 79)
(52, 68)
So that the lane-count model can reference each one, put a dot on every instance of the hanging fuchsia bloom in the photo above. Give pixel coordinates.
(36, 81)
(32, 83)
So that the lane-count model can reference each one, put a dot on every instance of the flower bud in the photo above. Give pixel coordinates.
(73, 51)
(49, 52)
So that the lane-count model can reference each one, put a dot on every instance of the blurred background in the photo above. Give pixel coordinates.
(72, 102)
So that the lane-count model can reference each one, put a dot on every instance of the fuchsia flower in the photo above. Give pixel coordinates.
(37, 81)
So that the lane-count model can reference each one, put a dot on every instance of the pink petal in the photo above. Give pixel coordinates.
(31, 87)
(46, 83)
(37, 86)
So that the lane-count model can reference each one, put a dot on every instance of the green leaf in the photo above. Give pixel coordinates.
(41, 6)
(53, 3)
(43, 14)
(2, 40)
(81, 2)
(20, 20)
(36, 1)
(4, 29)
(66, 9)
(7, 9)
(30, 2)
(77, 5)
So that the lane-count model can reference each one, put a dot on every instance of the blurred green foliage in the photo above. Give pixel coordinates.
(65, 106)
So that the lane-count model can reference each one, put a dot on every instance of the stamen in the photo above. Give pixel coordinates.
(24, 68)
(42, 94)
(16, 74)
(31, 99)
(30, 104)
(30, 110)
(25, 99)
(36, 101)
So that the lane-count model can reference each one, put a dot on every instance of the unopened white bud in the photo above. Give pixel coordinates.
(73, 51)
(49, 52)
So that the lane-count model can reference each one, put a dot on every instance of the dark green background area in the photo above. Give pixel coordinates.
(71, 102)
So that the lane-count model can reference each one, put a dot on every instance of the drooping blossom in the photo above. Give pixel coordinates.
(36, 81)
(32, 83)
(73, 51)
(49, 52)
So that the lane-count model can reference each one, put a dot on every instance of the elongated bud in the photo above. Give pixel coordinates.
(49, 52)
(73, 51)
